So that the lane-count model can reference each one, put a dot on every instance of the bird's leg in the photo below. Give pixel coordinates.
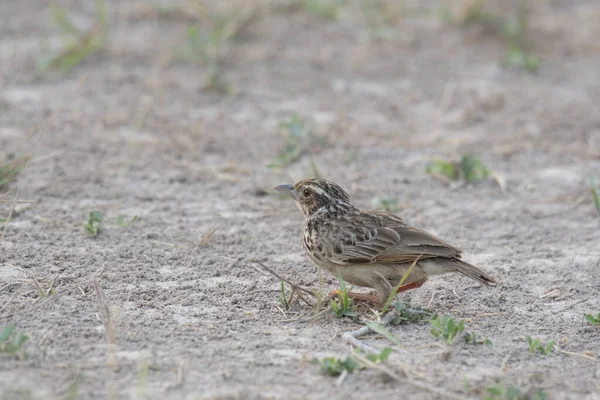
(412, 285)
(373, 299)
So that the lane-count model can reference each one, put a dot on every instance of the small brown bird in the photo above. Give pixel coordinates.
(370, 248)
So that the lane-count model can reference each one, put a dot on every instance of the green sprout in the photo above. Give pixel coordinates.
(406, 314)
(122, 222)
(342, 305)
(92, 224)
(511, 392)
(469, 168)
(446, 328)
(11, 342)
(79, 44)
(472, 339)
(536, 345)
(381, 357)
(333, 366)
(596, 195)
(591, 319)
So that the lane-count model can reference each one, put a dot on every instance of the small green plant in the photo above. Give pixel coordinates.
(10, 171)
(469, 168)
(333, 366)
(282, 298)
(511, 392)
(536, 345)
(515, 56)
(381, 357)
(342, 306)
(472, 339)
(123, 223)
(79, 44)
(11, 342)
(406, 314)
(209, 41)
(92, 224)
(383, 331)
(596, 195)
(299, 140)
(591, 319)
(206, 48)
(446, 328)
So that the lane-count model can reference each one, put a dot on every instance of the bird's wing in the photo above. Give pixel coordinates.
(378, 237)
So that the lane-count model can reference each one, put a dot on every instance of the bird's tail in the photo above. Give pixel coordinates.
(473, 272)
(444, 265)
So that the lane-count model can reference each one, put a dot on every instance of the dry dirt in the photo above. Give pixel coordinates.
(133, 132)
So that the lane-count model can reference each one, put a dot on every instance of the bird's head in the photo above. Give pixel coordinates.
(316, 196)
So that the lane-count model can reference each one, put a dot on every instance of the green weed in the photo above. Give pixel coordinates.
(446, 328)
(469, 168)
(591, 319)
(123, 223)
(383, 331)
(9, 171)
(11, 342)
(282, 298)
(511, 392)
(536, 345)
(208, 42)
(92, 224)
(515, 56)
(78, 44)
(299, 140)
(333, 366)
(595, 195)
(342, 305)
(410, 315)
(472, 339)
(381, 357)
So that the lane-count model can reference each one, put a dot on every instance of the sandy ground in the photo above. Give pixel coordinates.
(133, 132)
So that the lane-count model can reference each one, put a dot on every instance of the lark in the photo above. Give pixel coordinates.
(371, 249)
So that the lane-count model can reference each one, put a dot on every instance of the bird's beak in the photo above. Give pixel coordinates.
(288, 189)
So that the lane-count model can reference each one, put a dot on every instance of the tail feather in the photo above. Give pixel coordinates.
(440, 265)
(473, 272)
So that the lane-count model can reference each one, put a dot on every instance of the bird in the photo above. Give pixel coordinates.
(370, 248)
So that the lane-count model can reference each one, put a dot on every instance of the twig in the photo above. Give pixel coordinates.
(342, 377)
(276, 275)
(12, 207)
(574, 354)
(352, 336)
(317, 315)
(18, 201)
(108, 322)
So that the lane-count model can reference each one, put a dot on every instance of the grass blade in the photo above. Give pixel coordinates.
(393, 293)
(383, 331)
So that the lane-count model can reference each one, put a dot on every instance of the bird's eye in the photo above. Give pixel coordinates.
(306, 192)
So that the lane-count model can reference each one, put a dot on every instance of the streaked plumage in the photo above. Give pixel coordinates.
(370, 248)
